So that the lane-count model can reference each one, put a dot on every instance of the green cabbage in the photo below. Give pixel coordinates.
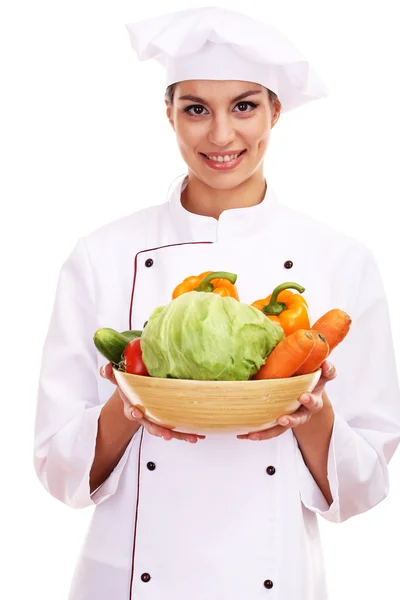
(201, 335)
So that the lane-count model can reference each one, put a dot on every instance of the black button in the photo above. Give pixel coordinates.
(145, 578)
(288, 264)
(151, 466)
(271, 470)
(149, 262)
(268, 584)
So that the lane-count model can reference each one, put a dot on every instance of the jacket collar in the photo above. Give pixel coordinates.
(233, 223)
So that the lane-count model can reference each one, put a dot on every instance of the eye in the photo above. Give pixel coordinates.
(195, 107)
(245, 105)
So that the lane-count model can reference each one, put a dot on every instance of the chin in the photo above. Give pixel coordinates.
(229, 181)
(221, 181)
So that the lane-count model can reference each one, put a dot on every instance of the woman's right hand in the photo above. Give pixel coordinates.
(134, 414)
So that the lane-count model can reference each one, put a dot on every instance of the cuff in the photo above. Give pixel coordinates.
(70, 455)
(311, 496)
(110, 485)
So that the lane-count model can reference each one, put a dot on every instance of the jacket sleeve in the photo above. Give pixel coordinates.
(366, 401)
(68, 404)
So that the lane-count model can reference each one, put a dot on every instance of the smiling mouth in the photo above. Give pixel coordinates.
(222, 159)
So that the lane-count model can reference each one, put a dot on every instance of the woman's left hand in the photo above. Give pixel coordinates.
(312, 402)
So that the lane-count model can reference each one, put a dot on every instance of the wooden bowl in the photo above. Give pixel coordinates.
(206, 407)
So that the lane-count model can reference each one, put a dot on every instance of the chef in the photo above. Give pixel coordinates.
(177, 515)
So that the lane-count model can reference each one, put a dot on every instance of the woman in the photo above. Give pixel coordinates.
(219, 517)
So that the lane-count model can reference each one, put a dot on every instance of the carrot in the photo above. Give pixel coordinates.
(334, 326)
(317, 356)
(287, 356)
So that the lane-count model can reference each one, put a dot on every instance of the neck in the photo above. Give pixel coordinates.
(201, 199)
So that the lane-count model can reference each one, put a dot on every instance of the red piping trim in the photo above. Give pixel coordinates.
(136, 516)
(141, 439)
(135, 269)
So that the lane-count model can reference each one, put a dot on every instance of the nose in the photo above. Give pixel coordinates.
(221, 132)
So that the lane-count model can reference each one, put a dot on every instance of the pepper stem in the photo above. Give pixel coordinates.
(206, 286)
(274, 307)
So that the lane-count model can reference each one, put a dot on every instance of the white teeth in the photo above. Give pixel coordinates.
(223, 158)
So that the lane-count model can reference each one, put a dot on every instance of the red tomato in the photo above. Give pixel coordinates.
(133, 358)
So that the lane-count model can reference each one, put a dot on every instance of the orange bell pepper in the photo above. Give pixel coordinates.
(217, 282)
(285, 308)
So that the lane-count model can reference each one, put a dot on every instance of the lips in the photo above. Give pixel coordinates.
(222, 165)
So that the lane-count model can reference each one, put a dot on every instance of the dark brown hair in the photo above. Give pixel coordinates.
(170, 92)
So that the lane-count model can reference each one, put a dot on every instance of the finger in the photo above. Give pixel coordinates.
(263, 435)
(136, 413)
(107, 372)
(267, 434)
(328, 372)
(300, 417)
(157, 430)
(187, 437)
(312, 402)
(168, 434)
(131, 412)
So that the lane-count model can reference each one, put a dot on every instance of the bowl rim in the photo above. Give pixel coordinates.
(170, 381)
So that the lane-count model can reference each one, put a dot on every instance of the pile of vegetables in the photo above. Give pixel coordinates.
(206, 333)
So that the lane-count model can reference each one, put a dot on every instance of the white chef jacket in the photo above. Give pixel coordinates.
(223, 518)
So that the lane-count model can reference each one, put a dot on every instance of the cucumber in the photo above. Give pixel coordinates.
(131, 334)
(111, 344)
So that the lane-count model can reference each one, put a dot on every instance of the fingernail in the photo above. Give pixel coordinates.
(305, 399)
(284, 421)
(102, 370)
(135, 414)
(254, 436)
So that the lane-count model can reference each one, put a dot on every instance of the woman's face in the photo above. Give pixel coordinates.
(222, 118)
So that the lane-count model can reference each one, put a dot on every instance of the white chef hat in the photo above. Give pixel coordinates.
(220, 44)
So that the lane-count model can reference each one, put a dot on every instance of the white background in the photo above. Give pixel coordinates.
(83, 132)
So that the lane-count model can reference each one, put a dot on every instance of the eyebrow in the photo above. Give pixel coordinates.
(200, 100)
